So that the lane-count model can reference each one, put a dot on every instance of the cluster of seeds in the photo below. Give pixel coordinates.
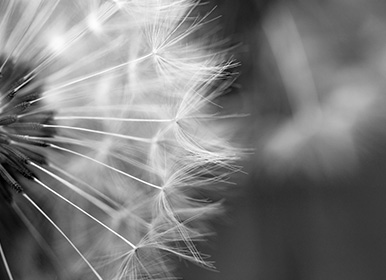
(110, 130)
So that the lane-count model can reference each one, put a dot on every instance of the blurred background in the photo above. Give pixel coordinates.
(313, 203)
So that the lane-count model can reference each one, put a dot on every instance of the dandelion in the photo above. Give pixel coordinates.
(108, 134)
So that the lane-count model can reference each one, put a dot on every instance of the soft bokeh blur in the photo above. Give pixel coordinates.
(313, 204)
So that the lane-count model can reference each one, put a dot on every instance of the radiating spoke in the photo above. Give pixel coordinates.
(85, 195)
(93, 75)
(111, 119)
(96, 191)
(105, 165)
(63, 234)
(5, 263)
(139, 139)
(86, 213)
(38, 237)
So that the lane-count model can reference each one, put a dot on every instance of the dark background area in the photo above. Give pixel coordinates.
(312, 206)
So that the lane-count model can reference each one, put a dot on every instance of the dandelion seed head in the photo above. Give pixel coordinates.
(109, 122)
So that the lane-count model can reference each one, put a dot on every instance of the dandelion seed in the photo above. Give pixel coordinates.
(106, 133)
